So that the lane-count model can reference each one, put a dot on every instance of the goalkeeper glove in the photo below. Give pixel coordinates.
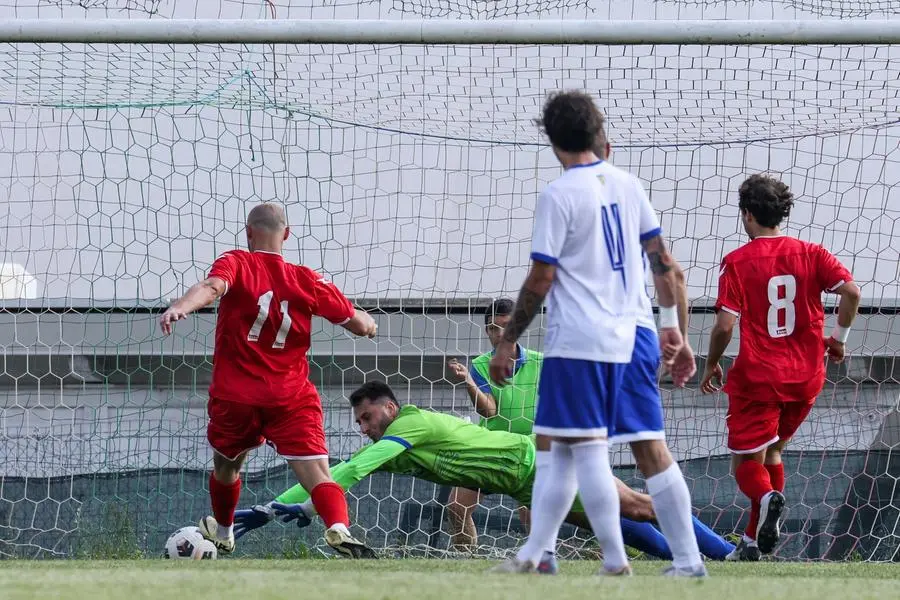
(248, 519)
(291, 512)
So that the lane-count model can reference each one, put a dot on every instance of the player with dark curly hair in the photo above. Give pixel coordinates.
(594, 232)
(774, 283)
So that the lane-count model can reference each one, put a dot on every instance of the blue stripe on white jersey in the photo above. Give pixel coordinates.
(647, 320)
(590, 223)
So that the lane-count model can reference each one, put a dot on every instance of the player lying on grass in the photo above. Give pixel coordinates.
(447, 450)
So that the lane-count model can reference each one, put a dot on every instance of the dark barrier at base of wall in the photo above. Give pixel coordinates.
(841, 507)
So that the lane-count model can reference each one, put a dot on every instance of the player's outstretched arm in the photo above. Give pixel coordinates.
(361, 324)
(331, 303)
(200, 295)
(848, 306)
(535, 288)
(295, 504)
(719, 338)
(669, 296)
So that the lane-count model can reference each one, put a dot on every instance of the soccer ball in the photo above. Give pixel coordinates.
(189, 544)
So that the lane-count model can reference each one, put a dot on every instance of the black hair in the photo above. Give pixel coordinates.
(768, 199)
(500, 307)
(573, 122)
(372, 390)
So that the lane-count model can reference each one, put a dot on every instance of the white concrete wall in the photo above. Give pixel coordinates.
(81, 393)
(412, 171)
(112, 429)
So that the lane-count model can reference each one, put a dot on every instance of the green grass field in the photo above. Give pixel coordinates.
(427, 579)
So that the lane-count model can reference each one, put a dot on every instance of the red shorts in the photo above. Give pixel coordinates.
(295, 430)
(755, 424)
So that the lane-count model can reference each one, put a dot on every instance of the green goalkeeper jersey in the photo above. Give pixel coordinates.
(442, 449)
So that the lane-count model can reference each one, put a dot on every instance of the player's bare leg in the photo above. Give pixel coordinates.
(224, 492)
(330, 503)
(525, 518)
(460, 506)
(672, 505)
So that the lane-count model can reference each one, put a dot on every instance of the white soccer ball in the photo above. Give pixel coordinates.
(189, 544)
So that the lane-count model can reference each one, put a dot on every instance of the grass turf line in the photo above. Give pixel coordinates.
(430, 579)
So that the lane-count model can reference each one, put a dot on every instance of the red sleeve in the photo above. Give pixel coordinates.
(330, 303)
(226, 268)
(831, 273)
(729, 298)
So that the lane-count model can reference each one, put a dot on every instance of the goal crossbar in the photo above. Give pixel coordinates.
(557, 32)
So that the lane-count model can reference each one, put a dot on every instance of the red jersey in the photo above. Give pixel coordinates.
(263, 327)
(775, 285)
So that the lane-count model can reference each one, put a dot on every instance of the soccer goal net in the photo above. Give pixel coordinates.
(409, 173)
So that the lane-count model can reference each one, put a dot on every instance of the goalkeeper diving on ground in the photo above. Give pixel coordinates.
(447, 450)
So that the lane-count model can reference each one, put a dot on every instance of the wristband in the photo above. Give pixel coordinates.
(668, 317)
(840, 334)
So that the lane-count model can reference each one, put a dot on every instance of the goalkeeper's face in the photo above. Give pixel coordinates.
(375, 416)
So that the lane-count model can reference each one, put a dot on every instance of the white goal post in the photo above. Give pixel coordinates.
(438, 31)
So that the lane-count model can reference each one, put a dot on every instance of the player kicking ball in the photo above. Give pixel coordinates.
(774, 283)
(260, 387)
(449, 451)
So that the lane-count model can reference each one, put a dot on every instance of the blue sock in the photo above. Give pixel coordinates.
(646, 538)
(712, 545)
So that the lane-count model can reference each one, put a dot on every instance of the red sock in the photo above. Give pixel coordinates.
(224, 499)
(776, 474)
(753, 479)
(750, 532)
(330, 503)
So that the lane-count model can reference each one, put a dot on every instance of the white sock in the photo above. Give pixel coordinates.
(309, 508)
(600, 499)
(542, 466)
(672, 504)
(550, 507)
(340, 527)
(223, 532)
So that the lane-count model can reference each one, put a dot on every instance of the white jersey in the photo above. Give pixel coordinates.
(646, 319)
(589, 223)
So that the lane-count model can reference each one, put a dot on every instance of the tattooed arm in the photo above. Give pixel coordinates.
(671, 291)
(531, 297)
(663, 267)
